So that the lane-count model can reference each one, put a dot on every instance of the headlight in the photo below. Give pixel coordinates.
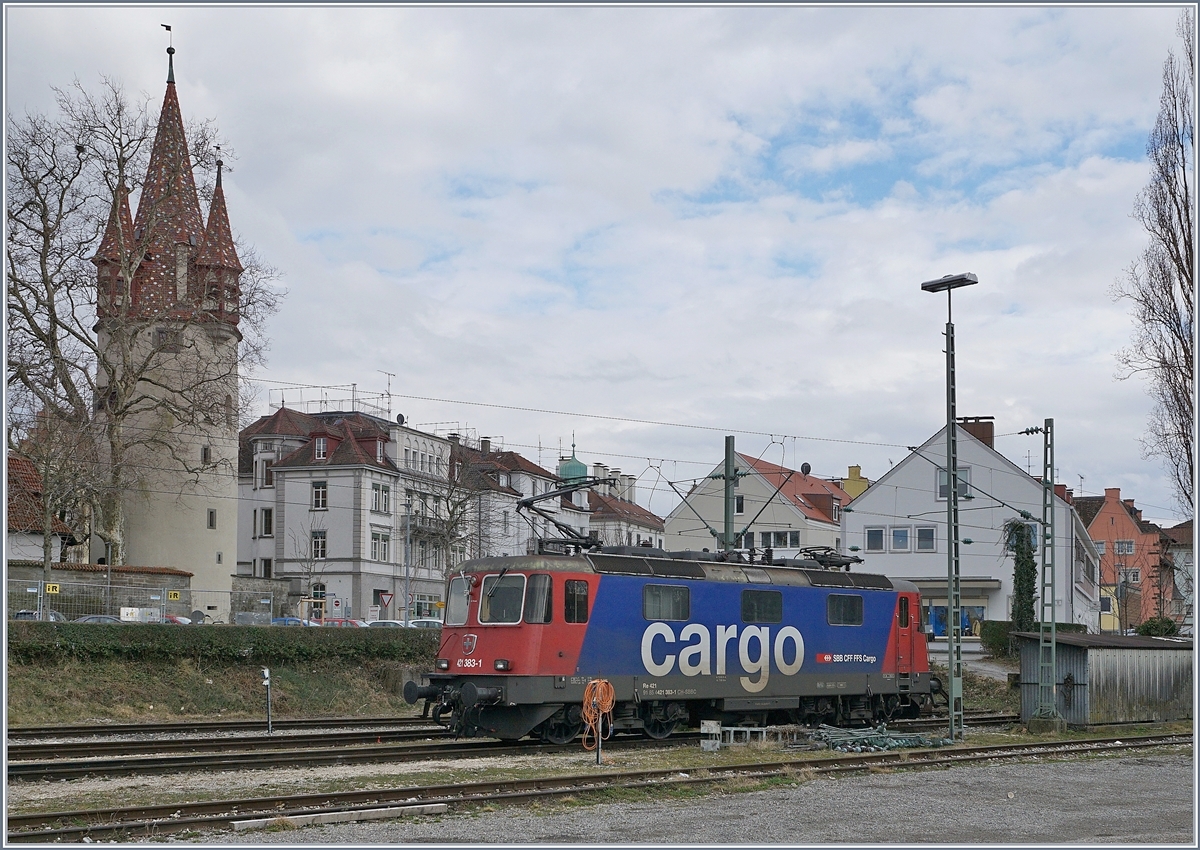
(502, 664)
(442, 664)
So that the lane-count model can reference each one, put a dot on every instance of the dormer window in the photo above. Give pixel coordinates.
(319, 448)
(503, 479)
(379, 451)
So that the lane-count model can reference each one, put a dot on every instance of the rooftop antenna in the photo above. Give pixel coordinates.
(390, 375)
(1080, 483)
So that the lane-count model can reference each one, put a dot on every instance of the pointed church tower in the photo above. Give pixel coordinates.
(179, 313)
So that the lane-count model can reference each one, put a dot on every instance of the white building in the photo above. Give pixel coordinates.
(899, 527)
(775, 508)
(329, 499)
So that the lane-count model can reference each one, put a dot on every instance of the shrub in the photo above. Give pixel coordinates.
(1158, 627)
(993, 637)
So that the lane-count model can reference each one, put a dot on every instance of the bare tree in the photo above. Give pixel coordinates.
(1160, 283)
(149, 378)
(309, 554)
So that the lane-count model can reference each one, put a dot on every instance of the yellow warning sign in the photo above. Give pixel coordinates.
(173, 595)
(52, 588)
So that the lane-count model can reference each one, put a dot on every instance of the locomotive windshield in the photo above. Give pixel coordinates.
(501, 598)
(456, 602)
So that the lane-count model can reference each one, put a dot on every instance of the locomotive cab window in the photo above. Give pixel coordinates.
(844, 610)
(666, 602)
(575, 603)
(500, 598)
(904, 612)
(457, 598)
(762, 606)
(539, 599)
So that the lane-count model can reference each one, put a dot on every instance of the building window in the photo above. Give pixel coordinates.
(206, 455)
(379, 545)
(739, 505)
(747, 540)
(1099, 544)
(964, 482)
(318, 548)
(1132, 576)
(1033, 536)
(268, 474)
(794, 539)
(1123, 547)
(318, 590)
(381, 498)
(167, 340)
(319, 446)
(406, 463)
(268, 522)
(379, 451)
(874, 539)
(926, 540)
(266, 567)
(1106, 604)
(899, 540)
(320, 496)
(837, 511)
(212, 518)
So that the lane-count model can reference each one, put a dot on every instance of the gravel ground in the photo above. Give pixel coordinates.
(1140, 799)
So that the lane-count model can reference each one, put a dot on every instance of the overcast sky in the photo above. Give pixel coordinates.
(716, 217)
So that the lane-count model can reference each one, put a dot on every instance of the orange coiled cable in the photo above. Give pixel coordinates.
(598, 701)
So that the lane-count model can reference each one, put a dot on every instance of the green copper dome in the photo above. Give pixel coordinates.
(572, 469)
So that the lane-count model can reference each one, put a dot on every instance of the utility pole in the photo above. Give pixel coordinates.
(407, 551)
(1046, 716)
(730, 481)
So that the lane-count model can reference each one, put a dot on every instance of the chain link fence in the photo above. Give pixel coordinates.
(26, 600)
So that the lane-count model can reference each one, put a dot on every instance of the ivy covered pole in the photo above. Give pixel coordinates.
(1018, 542)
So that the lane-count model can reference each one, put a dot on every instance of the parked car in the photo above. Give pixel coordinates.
(425, 623)
(97, 618)
(293, 621)
(55, 617)
(338, 622)
(386, 624)
(177, 620)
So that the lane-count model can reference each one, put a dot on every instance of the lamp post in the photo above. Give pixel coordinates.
(948, 284)
(407, 550)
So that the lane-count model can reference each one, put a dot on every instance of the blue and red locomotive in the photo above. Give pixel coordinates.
(681, 636)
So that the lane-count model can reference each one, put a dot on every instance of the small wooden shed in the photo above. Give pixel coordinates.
(1112, 678)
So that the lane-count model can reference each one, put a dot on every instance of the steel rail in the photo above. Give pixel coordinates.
(95, 730)
(164, 819)
(210, 744)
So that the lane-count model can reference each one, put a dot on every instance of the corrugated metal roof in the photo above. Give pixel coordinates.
(1114, 641)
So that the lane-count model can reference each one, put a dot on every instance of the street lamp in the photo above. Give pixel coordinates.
(948, 284)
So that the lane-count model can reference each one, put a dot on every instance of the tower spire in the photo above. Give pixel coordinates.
(171, 66)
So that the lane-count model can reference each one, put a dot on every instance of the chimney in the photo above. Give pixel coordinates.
(1113, 493)
(453, 438)
(615, 489)
(629, 490)
(982, 428)
(1061, 491)
(599, 470)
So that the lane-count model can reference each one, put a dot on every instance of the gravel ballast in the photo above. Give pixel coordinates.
(1142, 798)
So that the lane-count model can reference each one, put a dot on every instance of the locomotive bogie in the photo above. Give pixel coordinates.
(679, 640)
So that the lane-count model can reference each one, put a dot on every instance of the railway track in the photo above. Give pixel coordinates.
(258, 759)
(74, 826)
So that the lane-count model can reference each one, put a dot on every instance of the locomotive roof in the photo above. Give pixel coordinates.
(658, 564)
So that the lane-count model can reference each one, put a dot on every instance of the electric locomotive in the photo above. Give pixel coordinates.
(681, 636)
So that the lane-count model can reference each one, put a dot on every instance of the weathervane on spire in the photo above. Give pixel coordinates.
(170, 53)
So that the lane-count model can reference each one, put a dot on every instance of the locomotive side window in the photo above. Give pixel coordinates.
(575, 605)
(666, 602)
(500, 599)
(762, 606)
(904, 612)
(843, 610)
(456, 602)
(539, 600)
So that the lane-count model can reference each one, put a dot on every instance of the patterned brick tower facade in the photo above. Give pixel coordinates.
(168, 297)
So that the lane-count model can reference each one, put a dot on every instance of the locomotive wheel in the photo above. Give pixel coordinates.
(561, 729)
(657, 728)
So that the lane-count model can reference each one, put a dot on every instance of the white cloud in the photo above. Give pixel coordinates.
(715, 216)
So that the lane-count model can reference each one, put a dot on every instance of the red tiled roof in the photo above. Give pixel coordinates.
(119, 232)
(812, 496)
(519, 463)
(1181, 533)
(346, 435)
(25, 508)
(610, 507)
(218, 250)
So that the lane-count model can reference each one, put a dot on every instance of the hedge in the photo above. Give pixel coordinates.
(31, 642)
